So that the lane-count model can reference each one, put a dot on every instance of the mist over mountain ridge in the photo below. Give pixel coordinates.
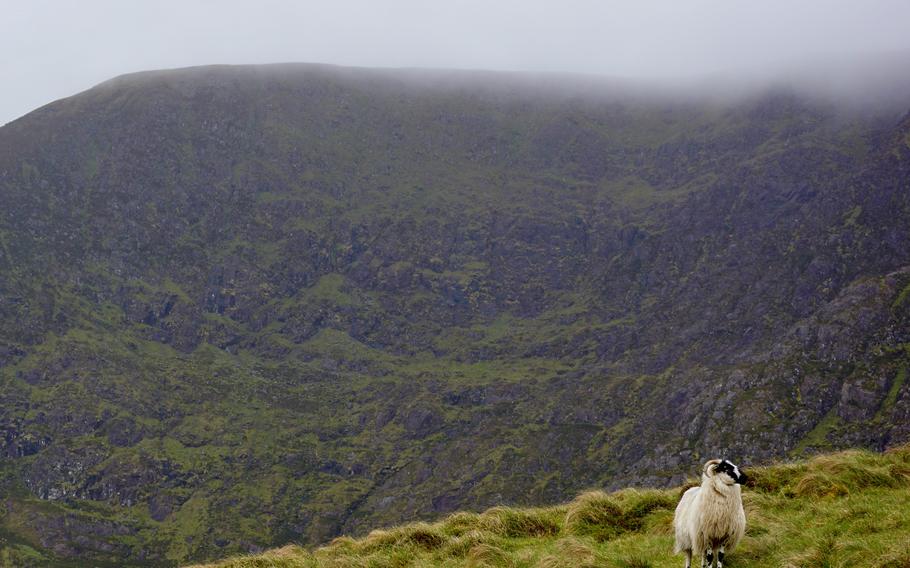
(873, 82)
(242, 306)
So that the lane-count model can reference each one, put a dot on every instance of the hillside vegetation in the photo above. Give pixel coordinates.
(836, 510)
(245, 306)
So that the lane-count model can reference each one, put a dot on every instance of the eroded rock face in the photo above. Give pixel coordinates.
(242, 307)
(73, 536)
(60, 473)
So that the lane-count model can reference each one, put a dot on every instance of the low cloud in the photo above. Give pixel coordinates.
(54, 49)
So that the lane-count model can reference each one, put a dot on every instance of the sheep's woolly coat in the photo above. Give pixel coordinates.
(710, 516)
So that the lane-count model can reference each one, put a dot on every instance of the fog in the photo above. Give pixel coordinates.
(52, 49)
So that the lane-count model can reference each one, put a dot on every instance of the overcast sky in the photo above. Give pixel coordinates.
(52, 49)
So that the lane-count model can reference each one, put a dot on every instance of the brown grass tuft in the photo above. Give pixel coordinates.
(899, 559)
(595, 514)
(487, 556)
(515, 523)
(603, 517)
(458, 547)
(419, 535)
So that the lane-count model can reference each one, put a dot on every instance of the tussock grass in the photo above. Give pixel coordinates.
(896, 559)
(420, 536)
(603, 516)
(459, 546)
(484, 555)
(570, 553)
(516, 523)
(835, 474)
(845, 509)
(286, 557)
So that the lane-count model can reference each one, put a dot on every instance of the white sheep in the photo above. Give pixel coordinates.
(710, 519)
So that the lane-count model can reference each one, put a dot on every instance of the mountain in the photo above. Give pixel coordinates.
(849, 508)
(247, 306)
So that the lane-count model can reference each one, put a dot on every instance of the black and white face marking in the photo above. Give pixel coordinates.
(728, 467)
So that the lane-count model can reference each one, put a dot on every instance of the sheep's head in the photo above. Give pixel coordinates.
(725, 470)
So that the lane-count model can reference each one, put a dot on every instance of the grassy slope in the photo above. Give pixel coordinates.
(845, 509)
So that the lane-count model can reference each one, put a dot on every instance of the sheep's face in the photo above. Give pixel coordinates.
(729, 473)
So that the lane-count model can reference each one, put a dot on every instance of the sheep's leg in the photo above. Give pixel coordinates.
(720, 557)
(709, 559)
(689, 558)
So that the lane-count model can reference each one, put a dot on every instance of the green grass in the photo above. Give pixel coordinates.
(901, 298)
(891, 397)
(817, 438)
(836, 510)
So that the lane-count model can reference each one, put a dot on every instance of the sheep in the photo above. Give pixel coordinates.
(710, 519)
